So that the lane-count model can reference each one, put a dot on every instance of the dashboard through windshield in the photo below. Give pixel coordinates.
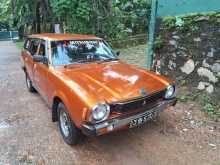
(82, 51)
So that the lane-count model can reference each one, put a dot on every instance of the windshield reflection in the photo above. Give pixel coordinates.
(70, 52)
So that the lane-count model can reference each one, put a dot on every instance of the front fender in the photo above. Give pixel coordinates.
(75, 107)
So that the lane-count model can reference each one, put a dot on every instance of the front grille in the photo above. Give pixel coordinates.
(139, 103)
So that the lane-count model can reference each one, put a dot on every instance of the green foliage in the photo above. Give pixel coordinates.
(106, 18)
(25, 12)
(112, 19)
(210, 106)
(20, 44)
(189, 23)
(218, 77)
(189, 97)
(186, 22)
(5, 16)
(182, 82)
(209, 109)
(158, 43)
(169, 22)
(4, 9)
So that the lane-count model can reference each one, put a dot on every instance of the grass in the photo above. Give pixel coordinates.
(134, 55)
(210, 106)
(20, 44)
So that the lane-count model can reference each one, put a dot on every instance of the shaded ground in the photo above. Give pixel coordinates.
(182, 135)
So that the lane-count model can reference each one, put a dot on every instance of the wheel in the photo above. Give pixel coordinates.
(29, 84)
(71, 134)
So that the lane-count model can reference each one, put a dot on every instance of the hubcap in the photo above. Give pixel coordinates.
(28, 82)
(64, 123)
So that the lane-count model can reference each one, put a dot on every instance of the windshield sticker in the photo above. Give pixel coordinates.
(84, 43)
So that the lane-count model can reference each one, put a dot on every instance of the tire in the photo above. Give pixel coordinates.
(29, 84)
(70, 133)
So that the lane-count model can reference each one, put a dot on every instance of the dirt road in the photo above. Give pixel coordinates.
(27, 135)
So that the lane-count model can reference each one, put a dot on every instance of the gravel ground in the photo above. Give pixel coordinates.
(27, 135)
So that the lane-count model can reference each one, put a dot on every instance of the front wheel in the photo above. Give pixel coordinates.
(71, 134)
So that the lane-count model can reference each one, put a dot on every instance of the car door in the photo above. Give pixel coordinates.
(30, 48)
(40, 71)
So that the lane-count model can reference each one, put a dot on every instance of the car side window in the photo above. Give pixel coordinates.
(27, 44)
(34, 46)
(42, 49)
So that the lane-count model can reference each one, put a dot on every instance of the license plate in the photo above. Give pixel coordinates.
(143, 119)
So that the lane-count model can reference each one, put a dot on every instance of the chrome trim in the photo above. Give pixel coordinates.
(173, 94)
(105, 117)
(122, 122)
(138, 98)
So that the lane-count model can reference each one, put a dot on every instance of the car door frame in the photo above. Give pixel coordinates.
(28, 58)
(40, 72)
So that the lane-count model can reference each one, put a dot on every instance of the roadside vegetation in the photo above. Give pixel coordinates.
(20, 44)
(107, 19)
(210, 106)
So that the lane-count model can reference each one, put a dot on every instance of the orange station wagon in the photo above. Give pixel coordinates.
(89, 90)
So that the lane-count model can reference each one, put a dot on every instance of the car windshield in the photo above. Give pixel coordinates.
(70, 52)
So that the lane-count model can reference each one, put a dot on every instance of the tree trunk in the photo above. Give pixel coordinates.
(38, 18)
(109, 7)
(13, 12)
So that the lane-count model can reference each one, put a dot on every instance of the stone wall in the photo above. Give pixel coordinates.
(187, 49)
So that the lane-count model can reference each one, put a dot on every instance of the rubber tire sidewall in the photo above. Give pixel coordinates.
(30, 88)
(74, 133)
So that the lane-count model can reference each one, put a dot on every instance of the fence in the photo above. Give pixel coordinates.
(129, 41)
(9, 35)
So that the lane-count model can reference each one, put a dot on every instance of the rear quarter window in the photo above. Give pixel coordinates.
(27, 44)
(33, 46)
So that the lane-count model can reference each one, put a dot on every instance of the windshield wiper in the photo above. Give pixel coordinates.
(90, 61)
(110, 59)
(74, 63)
(82, 61)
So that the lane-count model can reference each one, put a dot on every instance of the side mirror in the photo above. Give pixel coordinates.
(118, 53)
(40, 58)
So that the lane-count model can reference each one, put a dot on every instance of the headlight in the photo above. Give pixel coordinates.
(170, 92)
(100, 112)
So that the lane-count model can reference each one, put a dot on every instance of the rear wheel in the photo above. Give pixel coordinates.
(71, 134)
(29, 84)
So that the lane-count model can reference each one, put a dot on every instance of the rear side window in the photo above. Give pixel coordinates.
(27, 44)
(34, 43)
(42, 49)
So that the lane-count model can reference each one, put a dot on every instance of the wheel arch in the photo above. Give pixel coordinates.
(76, 114)
(24, 69)
(58, 98)
(56, 101)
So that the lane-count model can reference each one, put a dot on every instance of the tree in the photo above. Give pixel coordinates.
(5, 15)
(107, 18)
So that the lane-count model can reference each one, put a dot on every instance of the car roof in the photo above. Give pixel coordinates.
(54, 36)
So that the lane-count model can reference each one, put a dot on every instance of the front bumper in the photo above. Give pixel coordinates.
(117, 123)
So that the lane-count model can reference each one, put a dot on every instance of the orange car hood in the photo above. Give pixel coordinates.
(112, 81)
